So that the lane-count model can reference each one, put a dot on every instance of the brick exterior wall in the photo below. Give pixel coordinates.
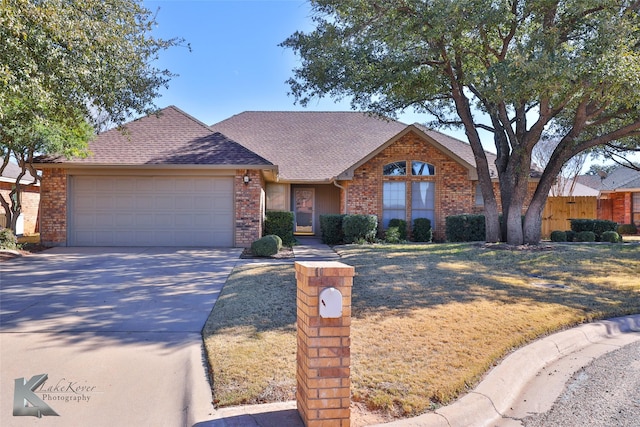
(53, 207)
(323, 372)
(30, 205)
(620, 204)
(249, 207)
(454, 192)
(249, 199)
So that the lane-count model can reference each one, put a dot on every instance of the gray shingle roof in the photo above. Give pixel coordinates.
(171, 137)
(12, 171)
(621, 178)
(309, 146)
(319, 146)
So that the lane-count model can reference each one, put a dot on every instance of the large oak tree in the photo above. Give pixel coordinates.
(68, 64)
(524, 70)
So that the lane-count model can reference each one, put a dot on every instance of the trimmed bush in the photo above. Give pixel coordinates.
(392, 235)
(585, 236)
(401, 225)
(571, 235)
(8, 240)
(422, 231)
(611, 237)
(267, 245)
(465, 228)
(558, 236)
(358, 228)
(597, 226)
(331, 229)
(280, 223)
(627, 229)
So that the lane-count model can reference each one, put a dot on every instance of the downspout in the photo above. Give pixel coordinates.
(346, 205)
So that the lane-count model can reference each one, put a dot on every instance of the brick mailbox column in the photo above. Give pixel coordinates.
(323, 368)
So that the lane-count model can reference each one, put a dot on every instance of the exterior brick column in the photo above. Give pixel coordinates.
(323, 357)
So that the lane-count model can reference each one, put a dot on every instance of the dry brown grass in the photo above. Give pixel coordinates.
(428, 320)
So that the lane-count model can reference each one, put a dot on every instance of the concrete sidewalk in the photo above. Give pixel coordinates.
(526, 382)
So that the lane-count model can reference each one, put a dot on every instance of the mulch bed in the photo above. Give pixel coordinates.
(507, 247)
(284, 253)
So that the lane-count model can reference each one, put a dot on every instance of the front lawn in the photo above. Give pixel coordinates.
(428, 320)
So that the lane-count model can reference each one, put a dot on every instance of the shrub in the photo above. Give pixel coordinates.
(465, 228)
(392, 235)
(585, 236)
(280, 223)
(597, 226)
(401, 225)
(627, 229)
(8, 240)
(331, 229)
(357, 228)
(611, 237)
(558, 236)
(571, 235)
(267, 245)
(422, 231)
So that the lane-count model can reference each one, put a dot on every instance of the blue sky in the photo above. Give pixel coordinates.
(236, 64)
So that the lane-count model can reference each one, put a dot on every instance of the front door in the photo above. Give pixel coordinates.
(304, 206)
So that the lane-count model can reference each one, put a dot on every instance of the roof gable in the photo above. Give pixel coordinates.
(170, 137)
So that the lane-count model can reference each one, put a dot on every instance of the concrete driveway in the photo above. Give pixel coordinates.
(108, 336)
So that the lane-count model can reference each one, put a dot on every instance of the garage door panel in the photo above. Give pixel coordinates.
(151, 211)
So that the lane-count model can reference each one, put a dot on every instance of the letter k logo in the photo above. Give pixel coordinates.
(24, 393)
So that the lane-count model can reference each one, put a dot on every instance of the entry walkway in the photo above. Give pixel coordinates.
(310, 248)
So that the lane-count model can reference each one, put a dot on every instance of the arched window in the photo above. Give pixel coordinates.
(395, 169)
(422, 169)
(418, 193)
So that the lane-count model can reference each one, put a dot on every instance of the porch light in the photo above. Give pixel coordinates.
(246, 179)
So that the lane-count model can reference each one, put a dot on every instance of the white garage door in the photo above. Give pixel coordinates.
(151, 211)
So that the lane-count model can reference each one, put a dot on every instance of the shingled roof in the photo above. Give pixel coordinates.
(171, 137)
(319, 146)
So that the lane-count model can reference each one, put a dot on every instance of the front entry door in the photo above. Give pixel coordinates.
(304, 206)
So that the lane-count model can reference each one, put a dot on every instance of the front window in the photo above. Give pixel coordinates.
(393, 201)
(636, 208)
(423, 200)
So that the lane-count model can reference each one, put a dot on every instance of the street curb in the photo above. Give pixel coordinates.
(503, 385)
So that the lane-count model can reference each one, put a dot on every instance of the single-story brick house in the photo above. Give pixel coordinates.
(619, 195)
(171, 180)
(28, 220)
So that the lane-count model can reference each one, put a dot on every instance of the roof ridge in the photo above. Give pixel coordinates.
(188, 116)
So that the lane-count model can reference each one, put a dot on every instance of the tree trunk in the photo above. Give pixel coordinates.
(515, 191)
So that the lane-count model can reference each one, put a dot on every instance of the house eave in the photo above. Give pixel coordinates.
(72, 165)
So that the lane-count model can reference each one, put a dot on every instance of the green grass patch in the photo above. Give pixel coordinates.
(428, 320)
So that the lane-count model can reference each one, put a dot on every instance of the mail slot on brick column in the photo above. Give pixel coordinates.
(330, 303)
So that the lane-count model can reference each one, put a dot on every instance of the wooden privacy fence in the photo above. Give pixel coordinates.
(559, 210)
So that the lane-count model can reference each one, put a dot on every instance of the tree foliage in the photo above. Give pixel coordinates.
(524, 70)
(69, 64)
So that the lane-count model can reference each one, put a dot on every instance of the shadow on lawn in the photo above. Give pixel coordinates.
(397, 281)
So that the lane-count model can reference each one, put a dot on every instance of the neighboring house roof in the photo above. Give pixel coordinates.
(578, 190)
(620, 179)
(593, 181)
(11, 173)
(320, 146)
(170, 137)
